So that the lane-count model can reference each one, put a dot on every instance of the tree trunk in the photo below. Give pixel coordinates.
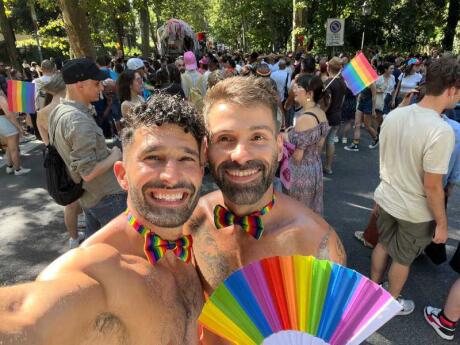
(77, 29)
(8, 34)
(452, 21)
(144, 18)
(299, 19)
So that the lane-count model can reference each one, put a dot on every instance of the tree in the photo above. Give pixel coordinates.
(452, 21)
(144, 18)
(8, 35)
(77, 28)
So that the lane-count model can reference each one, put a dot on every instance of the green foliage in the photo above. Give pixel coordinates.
(394, 25)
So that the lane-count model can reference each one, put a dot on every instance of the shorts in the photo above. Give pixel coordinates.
(365, 106)
(331, 135)
(348, 108)
(7, 129)
(403, 240)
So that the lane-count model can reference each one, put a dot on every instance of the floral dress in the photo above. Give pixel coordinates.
(307, 175)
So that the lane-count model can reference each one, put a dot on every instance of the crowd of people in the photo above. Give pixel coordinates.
(259, 124)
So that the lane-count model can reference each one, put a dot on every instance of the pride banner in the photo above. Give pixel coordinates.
(359, 74)
(21, 96)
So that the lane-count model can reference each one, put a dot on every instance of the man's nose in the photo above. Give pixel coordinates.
(241, 154)
(170, 174)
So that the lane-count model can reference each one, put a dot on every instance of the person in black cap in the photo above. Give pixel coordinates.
(81, 144)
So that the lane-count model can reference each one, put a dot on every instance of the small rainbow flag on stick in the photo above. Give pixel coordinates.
(359, 74)
(21, 96)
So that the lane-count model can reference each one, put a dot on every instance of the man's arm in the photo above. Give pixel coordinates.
(435, 198)
(49, 312)
(83, 138)
(61, 305)
(104, 165)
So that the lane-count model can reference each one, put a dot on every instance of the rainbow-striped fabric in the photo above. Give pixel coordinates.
(155, 247)
(21, 96)
(359, 74)
(252, 223)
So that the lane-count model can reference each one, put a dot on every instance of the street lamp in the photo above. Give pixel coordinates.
(366, 8)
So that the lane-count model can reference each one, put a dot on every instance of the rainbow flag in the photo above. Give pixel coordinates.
(359, 74)
(21, 96)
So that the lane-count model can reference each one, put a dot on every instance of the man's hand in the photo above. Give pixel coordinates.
(440, 235)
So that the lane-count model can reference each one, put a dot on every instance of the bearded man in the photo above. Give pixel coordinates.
(130, 283)
(246, 220)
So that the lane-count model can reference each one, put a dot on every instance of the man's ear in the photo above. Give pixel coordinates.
(279, 144)
(120, 174)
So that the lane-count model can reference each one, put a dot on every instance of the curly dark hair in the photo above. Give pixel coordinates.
(162, 108)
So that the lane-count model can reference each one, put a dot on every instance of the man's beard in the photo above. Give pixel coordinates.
(165, 217)
(247, 193)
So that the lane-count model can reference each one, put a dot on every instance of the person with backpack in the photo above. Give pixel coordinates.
(193, 83)
(81, 144)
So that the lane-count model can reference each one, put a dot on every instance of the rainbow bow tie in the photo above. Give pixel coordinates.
(252, 223)
(155, 247)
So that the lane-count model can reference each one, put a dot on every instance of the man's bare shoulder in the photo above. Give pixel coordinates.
(296, 216)
(83, 259)
(309, 231)
(113, 234)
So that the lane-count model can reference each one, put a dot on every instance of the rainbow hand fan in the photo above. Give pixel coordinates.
(297, 300)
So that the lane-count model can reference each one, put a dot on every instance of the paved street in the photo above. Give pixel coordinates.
(32, 234)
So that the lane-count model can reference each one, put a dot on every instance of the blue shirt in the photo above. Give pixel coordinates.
(113, 75)
(453, 173)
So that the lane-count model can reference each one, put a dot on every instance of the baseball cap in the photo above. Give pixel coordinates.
(414, 61)
(190, 61)
(80, 70)
(135, 64)
(263, 70)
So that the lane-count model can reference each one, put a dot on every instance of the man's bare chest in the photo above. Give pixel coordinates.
(220, 253)
(155, 307)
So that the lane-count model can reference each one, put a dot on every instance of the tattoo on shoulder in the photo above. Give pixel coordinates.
(341, 254)
(323, 251)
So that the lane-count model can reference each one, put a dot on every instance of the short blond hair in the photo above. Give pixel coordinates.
(243, 91)
(335, 64)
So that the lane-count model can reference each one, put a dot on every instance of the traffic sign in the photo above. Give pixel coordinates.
(334, 32)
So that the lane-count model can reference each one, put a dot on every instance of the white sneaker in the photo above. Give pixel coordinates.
(9, 170)
(344, 140)
(21, 171)
(75, 242)
(407, 305)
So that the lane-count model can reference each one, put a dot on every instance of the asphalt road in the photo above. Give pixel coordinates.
(32, 234)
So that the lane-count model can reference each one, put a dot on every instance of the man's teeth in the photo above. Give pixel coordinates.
(240, 173)
(168, 197)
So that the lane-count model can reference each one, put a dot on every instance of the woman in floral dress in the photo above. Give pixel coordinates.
(308, 137)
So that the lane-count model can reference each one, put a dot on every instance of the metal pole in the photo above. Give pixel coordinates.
(362, 39)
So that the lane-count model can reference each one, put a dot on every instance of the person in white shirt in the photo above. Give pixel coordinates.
(282, 79)
(415, 148)
(48, 69)
(407, 81)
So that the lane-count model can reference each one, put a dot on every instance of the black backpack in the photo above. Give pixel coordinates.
(59, 184)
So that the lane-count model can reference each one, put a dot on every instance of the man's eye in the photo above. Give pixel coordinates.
(186, 159)
(153, 158)
(223, 139)
(258, 138)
